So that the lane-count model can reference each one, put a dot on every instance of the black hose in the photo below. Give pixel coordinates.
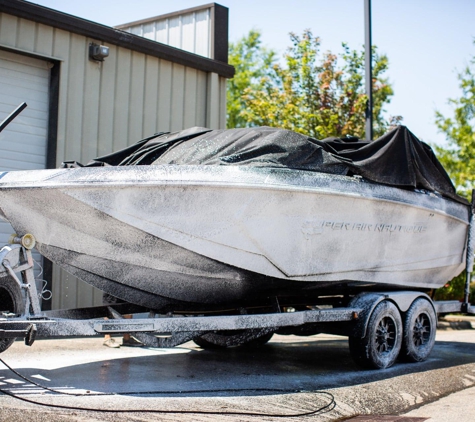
(323, 409)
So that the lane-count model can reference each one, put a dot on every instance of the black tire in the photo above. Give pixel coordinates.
(208, 345)
(10, 301)
(259, 341)
(420, 324)
(381, 345)
(225, 339)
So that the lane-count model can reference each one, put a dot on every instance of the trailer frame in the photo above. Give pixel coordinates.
(171, 330)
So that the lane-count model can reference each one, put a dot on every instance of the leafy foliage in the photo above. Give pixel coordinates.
(251, 62)
(455, 289)
(311, 93)
(459, 157)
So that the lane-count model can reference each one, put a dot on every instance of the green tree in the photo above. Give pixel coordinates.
(458, 157)
(252, 61)
(455, 289)
(312, 94)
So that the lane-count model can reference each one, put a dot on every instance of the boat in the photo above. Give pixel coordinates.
(200, 219)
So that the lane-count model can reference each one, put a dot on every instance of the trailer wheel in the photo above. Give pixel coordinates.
(11, 301)
(224, 339)
(207, 345)
(381, 345)
(419, 331)
(259, 341)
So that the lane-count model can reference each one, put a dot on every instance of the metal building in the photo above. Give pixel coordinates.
(199, 30)
(80, 108)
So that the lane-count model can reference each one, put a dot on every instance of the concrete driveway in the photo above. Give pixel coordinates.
(289, 376)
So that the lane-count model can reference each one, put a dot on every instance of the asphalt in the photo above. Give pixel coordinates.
(290, 376)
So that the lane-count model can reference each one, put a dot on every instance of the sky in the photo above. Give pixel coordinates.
(428, 42)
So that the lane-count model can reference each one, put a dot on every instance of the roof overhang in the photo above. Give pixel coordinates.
(107, 34)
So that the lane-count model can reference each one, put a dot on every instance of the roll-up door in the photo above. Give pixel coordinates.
(23, 143)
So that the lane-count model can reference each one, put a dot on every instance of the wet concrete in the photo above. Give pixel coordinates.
(455, 407)
(283, 378)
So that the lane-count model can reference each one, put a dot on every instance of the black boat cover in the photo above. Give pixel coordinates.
(397, 158)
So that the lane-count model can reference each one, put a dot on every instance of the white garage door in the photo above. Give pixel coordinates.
(23, 143)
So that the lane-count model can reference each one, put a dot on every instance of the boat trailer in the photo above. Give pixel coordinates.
(381, 326)
(23, 317)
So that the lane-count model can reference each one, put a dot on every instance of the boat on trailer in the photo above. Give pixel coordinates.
(197, 235)
(251, 222)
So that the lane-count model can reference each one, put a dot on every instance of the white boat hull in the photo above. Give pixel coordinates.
(218, 234)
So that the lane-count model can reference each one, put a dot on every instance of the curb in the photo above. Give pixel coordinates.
(456, 322)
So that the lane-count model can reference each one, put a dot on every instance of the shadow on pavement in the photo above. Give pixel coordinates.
(276, 368)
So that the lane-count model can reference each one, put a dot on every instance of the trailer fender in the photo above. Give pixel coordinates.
(368, 301)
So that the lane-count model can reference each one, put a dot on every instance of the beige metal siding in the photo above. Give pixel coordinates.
(188, 31)
(104, 106)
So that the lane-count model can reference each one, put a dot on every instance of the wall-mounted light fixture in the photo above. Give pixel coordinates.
(98, 52)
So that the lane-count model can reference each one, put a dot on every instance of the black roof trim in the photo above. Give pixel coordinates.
(107, 34)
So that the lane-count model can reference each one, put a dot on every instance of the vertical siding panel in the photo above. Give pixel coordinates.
(75, 97)
(212, 101)
(201, 99)
(26, 35)
(107, 99)
(222, 103)
(56, 288)
(190, 106)
(44, 40)
(121, 105)
(68, 290)
(61, 282)
(73, 136)
(84, 294)
(61, 50)
(96, 297)
(8, 30)
(89, 134)
(178, 92)
(189, 31)
(151, 97)
(165, 96)
(98, 107)
(136, 108)
(90, 112)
